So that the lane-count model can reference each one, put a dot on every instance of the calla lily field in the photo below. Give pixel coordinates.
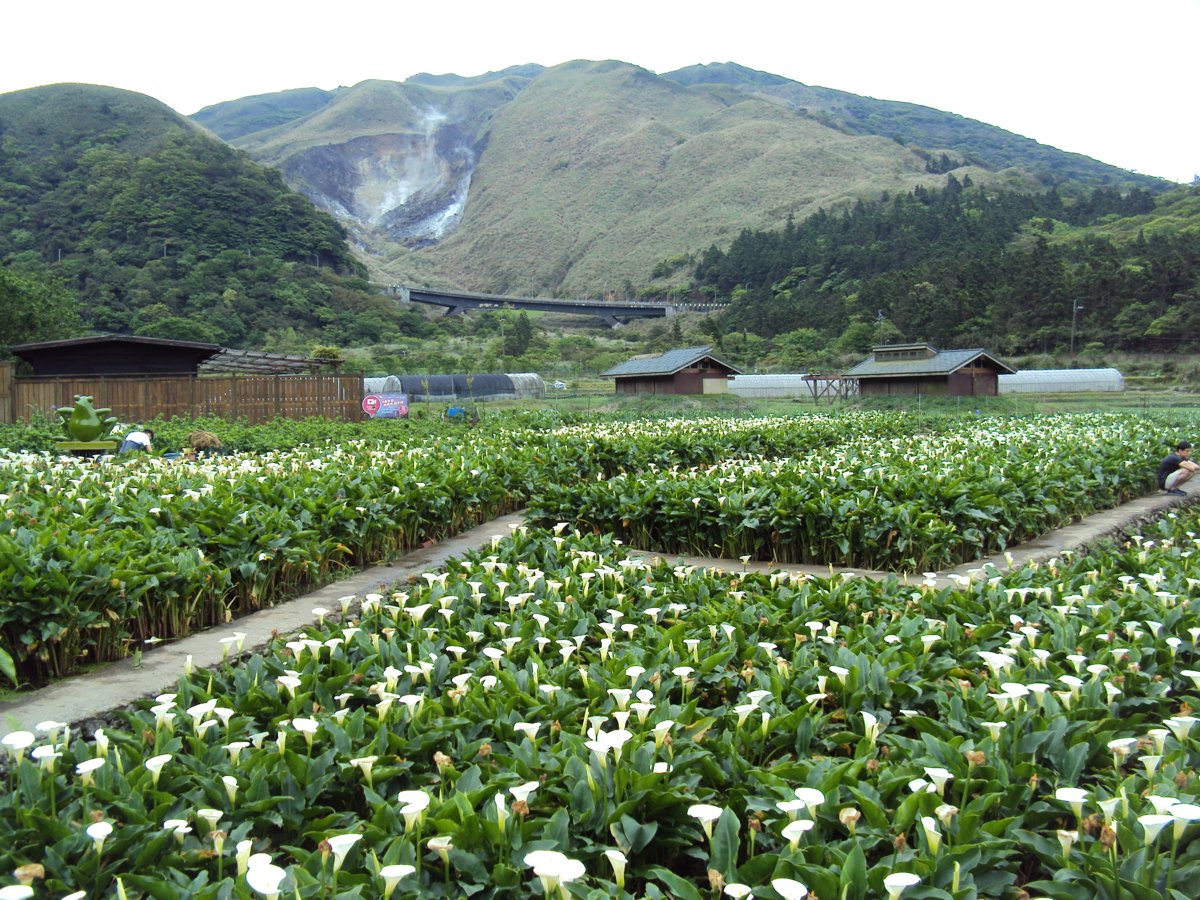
(557, 715)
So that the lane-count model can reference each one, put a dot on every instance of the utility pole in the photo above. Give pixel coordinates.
(1075, 308)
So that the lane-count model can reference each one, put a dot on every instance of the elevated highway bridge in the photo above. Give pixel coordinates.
(614, 312)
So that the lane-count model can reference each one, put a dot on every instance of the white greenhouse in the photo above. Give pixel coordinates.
(783, 387)
(1061, 381)
(385, 384)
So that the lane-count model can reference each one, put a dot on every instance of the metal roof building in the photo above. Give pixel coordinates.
(921, 370)
(688, 370)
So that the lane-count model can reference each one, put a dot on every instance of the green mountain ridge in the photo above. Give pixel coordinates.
(923, 126)
(162, 230)
(581, 178)
(230, 121)
(585, 179)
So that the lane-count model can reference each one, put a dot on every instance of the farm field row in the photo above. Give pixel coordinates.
(924, 500)
(97, 559)
(552, 717)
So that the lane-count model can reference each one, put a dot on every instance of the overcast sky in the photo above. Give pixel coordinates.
(1113, 79)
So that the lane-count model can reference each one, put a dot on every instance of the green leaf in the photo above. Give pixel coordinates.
(853, 882)
(7, 667)
(726, 844)
(680, 888)
(636, 835)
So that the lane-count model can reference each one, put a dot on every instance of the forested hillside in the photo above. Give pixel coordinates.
(967, 267)
(163, 231)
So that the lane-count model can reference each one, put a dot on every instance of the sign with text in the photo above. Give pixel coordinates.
(386, 406)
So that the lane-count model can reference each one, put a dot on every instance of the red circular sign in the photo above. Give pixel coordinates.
(371, 404)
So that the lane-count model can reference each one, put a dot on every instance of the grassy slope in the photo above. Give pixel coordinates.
(237, 118)
(921, 126)
(381, 107)
(616, 169)
(593, 172)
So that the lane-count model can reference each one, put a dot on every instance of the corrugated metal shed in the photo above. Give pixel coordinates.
(1061, 381)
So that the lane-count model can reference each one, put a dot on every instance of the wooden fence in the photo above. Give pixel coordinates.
(141, 398)
(6, 398)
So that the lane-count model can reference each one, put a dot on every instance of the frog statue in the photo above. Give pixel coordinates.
(85, 423)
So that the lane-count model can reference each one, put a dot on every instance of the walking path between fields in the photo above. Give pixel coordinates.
(86, 699)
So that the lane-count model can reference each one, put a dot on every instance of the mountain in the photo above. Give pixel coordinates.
(164, 231)
(590, 177)
(262, 111)
(917, 126)
(387, 159)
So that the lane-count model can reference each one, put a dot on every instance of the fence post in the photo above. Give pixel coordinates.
(8, 394)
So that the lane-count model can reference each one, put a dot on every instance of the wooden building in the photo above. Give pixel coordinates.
(114, 354)
(141, 378)
(920, 370)
(690, 370)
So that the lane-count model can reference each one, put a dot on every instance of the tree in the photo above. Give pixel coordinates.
(35, 308)
(517, 332)
(798, 349)
(859, 337)
(886, 332)
(712, 328)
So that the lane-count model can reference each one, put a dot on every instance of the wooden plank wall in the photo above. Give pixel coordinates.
(139, 399)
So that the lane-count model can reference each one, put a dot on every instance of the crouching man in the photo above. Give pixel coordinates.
(1177, 468)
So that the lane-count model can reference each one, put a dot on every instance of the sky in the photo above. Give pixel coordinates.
(1116, 81)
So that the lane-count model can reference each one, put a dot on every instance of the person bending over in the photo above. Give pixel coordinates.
(136, 442)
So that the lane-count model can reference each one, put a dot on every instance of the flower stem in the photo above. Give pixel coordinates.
(1171, 866)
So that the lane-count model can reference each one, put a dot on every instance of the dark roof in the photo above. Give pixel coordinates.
(114, 339)
(945, 362)
(113, 354)
(667, 363)
(129, 354)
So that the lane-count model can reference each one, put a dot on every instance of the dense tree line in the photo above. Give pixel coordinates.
(34, 308)
(967, 267)
(189, 240)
